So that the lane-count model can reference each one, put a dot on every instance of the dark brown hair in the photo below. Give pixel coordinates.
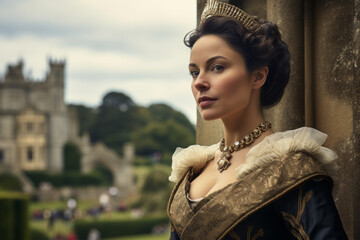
(263, 48)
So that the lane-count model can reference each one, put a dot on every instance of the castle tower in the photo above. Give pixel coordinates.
(57, 117)
(33, 119)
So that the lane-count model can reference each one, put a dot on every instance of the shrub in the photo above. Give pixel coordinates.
(72, 157)
(36, 234)
(14, 216)
(156, 190)
(117, 228)
(103, 173)
(65, 179)
(9, 182)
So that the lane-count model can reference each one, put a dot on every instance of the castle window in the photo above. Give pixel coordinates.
(1, 155)
(42, 128)
(29, 127)
(29, 154)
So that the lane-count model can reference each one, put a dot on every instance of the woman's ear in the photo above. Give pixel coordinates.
(259, 77)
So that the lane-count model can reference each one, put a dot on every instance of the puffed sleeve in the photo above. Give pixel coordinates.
(309, 212)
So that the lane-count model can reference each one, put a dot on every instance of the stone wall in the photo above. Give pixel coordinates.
(18, 94)
(324, 89)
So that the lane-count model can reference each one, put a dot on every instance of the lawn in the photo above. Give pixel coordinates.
(64, 228)
(82, 205)
(164, 236)
(59, 227)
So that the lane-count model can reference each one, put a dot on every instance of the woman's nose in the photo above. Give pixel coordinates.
(201, 84)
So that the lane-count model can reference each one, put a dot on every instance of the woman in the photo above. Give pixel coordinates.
(253, 184)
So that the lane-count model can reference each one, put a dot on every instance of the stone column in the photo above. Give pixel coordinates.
(336, 100)
(289, 16)
(254, 8)
(356, 124)
(309, 62)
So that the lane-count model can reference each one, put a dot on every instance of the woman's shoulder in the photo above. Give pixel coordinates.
(304, 141)
(194, 156)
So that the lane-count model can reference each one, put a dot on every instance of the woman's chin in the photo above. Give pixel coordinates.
(209, 117)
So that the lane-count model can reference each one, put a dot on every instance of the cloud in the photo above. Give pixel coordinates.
(93, 64)
(130, 46)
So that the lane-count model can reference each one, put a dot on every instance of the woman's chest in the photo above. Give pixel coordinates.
(210, 180)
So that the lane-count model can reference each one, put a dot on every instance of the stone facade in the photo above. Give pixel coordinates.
(324, 89)
(33, 119)
(35, 124)
(120, 167)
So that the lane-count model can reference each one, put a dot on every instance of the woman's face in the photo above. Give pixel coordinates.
(221, 84)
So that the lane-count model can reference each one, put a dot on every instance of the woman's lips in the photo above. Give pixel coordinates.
(206, 101)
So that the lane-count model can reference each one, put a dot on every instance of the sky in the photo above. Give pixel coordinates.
(135, 47)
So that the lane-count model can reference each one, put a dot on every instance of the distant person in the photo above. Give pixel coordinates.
(59, 236)
(94, 234)
(51, 220)
(72, 236)
(254, 183)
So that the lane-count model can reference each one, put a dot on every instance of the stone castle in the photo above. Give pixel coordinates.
(35, 124)
(33, 119)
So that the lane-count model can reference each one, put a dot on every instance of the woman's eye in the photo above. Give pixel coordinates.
(194, 73)
(218, 68)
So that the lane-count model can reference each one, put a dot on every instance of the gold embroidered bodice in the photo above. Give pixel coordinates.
(228, 206)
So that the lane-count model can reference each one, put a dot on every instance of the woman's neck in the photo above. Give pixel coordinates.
(237, 127)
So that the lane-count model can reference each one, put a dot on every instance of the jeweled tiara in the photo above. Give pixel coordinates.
(215, 8)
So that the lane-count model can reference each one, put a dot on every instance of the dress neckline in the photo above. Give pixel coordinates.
(191, 202)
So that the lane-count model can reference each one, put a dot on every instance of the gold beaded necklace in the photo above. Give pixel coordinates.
(226, 151)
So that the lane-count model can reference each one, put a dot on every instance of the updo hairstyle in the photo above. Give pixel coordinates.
(263, 48)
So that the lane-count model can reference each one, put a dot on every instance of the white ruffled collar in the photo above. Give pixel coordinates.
(303, 139)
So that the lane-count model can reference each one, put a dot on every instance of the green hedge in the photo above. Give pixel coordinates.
(72, 157)
(36, 234)
(9, 182)
(14, 222)
(65, 179)
(118, 228)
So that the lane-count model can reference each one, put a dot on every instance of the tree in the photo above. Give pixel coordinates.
(104, 174)
(85, 117)
(72, 157)
(117, 100)
(156, 189)
(117, 117)
(162, 138)
(161, 112)
(155, 129)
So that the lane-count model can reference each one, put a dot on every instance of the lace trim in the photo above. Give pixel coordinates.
(305, 139)
(193, 200)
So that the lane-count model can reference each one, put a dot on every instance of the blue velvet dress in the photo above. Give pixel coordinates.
(307, 212)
